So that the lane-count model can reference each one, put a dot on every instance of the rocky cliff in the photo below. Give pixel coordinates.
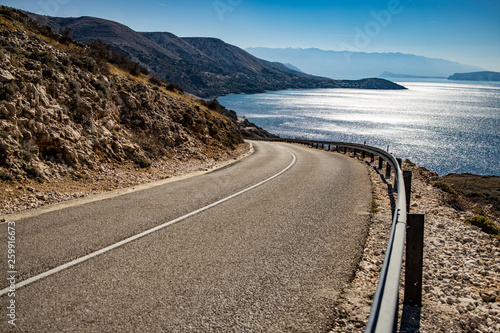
(62, 111)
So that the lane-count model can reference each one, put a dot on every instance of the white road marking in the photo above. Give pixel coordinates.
(145, 233)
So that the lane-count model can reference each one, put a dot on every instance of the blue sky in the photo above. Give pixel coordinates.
(460, 30)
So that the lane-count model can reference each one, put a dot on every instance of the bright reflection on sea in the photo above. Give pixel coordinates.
(446, 127)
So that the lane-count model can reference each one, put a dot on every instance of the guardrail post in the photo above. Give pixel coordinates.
(414, 259)
(345, 150)
(363, 154)
(407, 180)
(372, 157)
(355, 152)
(387, 170)
(380, 162)
(400, 162)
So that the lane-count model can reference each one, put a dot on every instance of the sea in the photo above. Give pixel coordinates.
(446, 127)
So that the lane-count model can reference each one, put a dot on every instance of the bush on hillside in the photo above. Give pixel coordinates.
(102, 53)
(485, 224)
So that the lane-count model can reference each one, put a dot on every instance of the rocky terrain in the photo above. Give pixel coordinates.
(461, 282)
(65, 112)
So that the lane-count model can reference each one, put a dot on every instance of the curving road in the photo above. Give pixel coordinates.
(272, 258)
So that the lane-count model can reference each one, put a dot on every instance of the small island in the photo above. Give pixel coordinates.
(476, 76)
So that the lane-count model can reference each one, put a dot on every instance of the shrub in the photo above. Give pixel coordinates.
(101, 87)
(84, 62)
(484, 223)
(214, 105)
(445, 187)
(5, 176)
(65, 37)
(142, 162)
(7, 90)
(3, 154)
(42, 56)
(156, 81)
(480, 211)
(27, 156)
(34, 173)
(174, 87)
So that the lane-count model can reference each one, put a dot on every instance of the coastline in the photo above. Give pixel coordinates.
(426, 123)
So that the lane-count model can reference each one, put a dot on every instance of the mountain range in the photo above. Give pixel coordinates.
(338, 64)
(206, 67)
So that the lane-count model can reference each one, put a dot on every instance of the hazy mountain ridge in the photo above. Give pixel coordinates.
(338, 64)
(206, 67)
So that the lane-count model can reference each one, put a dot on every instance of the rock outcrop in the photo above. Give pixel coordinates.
(61, 111)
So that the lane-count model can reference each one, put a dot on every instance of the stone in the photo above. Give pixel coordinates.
(489, 296)
(11, 108)
(6, 76)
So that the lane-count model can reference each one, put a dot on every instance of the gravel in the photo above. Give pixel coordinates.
(461, 273)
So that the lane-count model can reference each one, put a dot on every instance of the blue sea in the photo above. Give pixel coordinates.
(444, 126)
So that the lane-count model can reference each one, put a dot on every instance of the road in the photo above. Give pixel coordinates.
(271, 259)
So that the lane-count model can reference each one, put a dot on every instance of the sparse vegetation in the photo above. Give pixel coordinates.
(482, 190)
(102, 53)
(5, 176)
(485, 224)
(33, 173)
(174, 87)
(68, 109)
(445, 187)
(3, 154)
(142, 162)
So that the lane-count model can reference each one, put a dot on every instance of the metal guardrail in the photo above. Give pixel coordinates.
(383, 315)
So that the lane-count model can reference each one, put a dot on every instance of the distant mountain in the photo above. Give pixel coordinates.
(293, 68)
(337, 64)
(476, 76)
(206, 67)
(390, 75)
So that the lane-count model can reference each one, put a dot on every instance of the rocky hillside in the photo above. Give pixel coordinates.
(63, 109)
(206, 67)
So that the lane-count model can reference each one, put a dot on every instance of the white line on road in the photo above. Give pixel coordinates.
(144, 233)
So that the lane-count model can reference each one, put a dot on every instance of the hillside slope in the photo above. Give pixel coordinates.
(206, 67)
(62, 112)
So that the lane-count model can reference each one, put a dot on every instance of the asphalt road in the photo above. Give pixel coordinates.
(272, 259)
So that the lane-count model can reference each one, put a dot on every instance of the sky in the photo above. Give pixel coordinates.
(466, 31)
